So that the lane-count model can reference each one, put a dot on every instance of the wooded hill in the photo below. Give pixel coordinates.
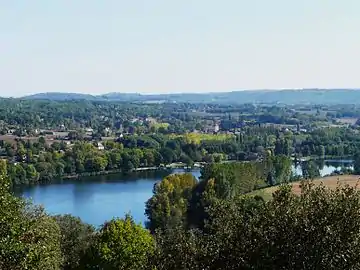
(287, 96)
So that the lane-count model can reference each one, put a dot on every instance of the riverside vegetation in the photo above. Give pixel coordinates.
(213, 223)
(44, 139)
(210, 224)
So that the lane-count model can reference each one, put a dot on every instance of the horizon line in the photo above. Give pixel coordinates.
(185, 92)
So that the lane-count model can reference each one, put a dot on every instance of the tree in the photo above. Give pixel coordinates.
(46, 171)
(270, 179)
(43, 240)
(122, 244)
(178, 248)
(168, 206)
(321, 151)
(13, 251)
(74, 135)
(288, 232)
(279, 168)
(18, 175)
(76, 239)
(168, 155)
(310, 170)
(31, 174)
(42, 141)
(29, 239)
(20, 152)
(187, 160)
(232, 179)
(96, 164)
(278, 147)
(149, 157)
(357, 163)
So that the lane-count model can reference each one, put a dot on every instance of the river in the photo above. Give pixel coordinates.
(96, 199)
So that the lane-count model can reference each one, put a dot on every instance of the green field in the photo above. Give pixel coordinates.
(197, 138)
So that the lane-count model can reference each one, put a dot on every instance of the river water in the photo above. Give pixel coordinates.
(96, 199)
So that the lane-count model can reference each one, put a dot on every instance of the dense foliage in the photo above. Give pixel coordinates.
(37, 161)
(44, 139)
(29, 239)
(76, 239)
(318, 229)
(211, 223)
(122, 244)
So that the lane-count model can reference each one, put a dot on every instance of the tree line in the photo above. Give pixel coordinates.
(37, 161)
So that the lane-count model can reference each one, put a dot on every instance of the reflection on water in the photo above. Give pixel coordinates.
(326, 167)
(98, 198)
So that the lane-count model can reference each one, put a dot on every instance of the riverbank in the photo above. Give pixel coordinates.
(325, 158)
(327, 169)
(177, 165)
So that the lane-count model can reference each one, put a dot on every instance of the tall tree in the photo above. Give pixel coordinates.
(168, 206)
(122, 244)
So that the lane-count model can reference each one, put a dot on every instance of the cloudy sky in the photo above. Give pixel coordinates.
(162, 46)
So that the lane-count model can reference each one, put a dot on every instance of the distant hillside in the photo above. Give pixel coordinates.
(61, 96)
(289, 96)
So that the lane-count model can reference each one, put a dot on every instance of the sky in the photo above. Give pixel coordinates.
(162, 46)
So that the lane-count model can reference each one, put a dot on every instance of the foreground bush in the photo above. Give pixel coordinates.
(29, 239)
(320, 229)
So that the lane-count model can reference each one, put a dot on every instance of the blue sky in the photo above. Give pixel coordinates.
(164, 46)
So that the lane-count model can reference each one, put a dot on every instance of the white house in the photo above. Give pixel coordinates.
(100, 146)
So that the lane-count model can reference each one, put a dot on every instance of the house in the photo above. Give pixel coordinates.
(100, 146)
(150, 120)
(89, 130)
(107, 132)
(212, 128)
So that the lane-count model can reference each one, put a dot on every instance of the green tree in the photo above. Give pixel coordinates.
(29, 239)
(357, 163)
(31, 174)
(321, 151)
(76, 239)
(168, 206)
(234, 178)
(168, 155)
(20, 152)
(96, 164)
(310, 170)
(288, 232)
(279, 168)
(42, 240)
(46, 171)
(17, 174)
(122, 244)
(42, 141)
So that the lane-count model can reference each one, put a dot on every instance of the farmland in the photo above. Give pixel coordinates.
(330, 182)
